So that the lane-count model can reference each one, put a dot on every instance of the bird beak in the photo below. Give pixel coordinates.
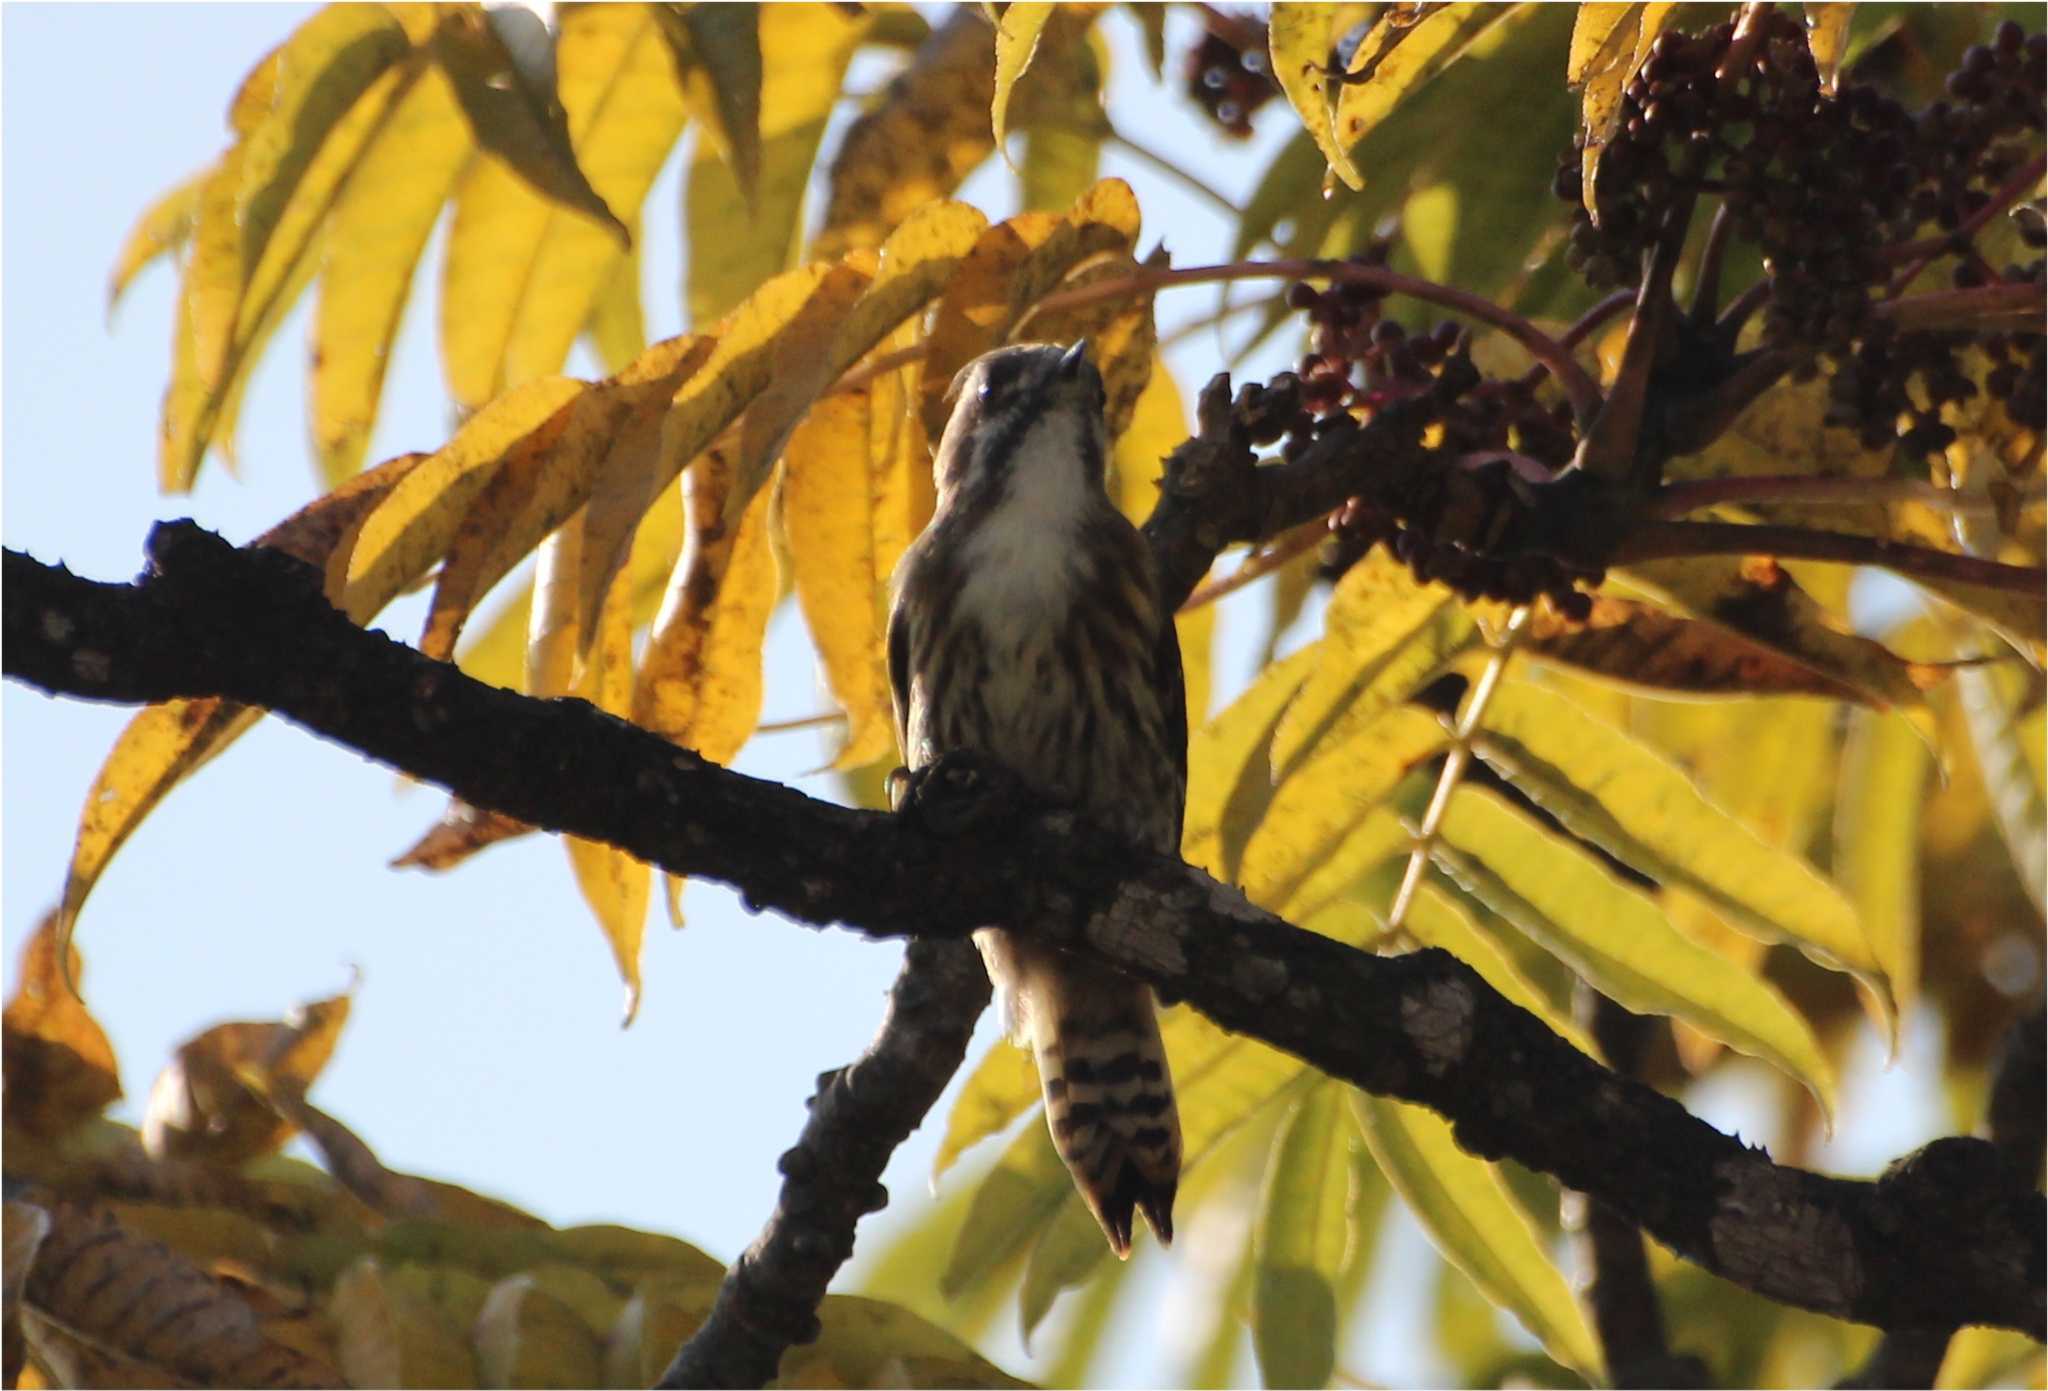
(1072, 360)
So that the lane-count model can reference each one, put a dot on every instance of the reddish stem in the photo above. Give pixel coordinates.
(1654, 540)
(1923, 253)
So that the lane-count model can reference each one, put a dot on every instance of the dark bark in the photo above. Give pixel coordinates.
(1922, 1248)
(832, 1176)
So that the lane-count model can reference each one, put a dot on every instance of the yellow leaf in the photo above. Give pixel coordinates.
(918, 142)
(1877, 841)
(1609, 42)
(164, 743)
(1385, 636)
(1477, 1225)
(916, 262)
(1437, 919)
(1827, 34)
(1230, 775)
(545, 477)
(1305, 840)
(1300, 1241)
(60, 1068)
(1016, 44)
(331, 78)
(1158, 424)
(1400, 54)
(632, 478)
(734, 243)
(1010, 268)
(378, 229)
(1617, 937)
(524, 267)
(164, 226)
(1002, 1087)
(413, 527)
(617, 329)
(1622, 796)
(1302, 39)
(525, 130)
(700, 679)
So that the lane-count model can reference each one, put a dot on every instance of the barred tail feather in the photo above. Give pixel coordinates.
(1109, 1099)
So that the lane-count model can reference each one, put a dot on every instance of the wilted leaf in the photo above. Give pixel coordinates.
(1302, 41)
(25, 1226)
(103, 1307)
(1622, 796)
(918, 142)
(1300, 1241)
(1759, 599)
(211, 1101)
(1476, 1224)
(165, 743)
(1616, 936)
(60, 1068)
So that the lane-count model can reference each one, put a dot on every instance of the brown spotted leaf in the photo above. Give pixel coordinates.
(60, 1068)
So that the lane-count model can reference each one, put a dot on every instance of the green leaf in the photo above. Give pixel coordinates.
(1068, 1252)
(1230, 777)
(1003, 1086)
(1633, 803)
(725, 48)
(1877, 840)
(1617, 937)
(1476, 1224)
(1437, 918)
(1401, 53)
(1301, 1241)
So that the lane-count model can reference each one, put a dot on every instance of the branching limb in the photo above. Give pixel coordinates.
(1914, 1250)
(832, 1176)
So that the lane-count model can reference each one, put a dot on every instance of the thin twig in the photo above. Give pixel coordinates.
(2001, 308)
(1677, 499)
(1657, 540)
(1579, 387)
(1158, 161)
(807, 722)
(1706, 292)
(1926, 252)
(1282, 549)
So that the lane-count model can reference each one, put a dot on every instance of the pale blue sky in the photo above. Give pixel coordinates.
(484, 1046)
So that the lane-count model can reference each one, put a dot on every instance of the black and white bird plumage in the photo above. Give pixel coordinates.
(1028, 626)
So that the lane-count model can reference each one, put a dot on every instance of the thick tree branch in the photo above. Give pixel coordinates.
(832, 1177)
(1908, 1251)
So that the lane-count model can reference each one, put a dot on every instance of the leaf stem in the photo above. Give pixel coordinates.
(1580, 388)
(1677, 499)
(1923, 253)
(1277, 553)
(1455, 764)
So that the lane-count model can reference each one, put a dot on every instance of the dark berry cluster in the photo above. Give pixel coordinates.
(1227, 73)
(1495, 443)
